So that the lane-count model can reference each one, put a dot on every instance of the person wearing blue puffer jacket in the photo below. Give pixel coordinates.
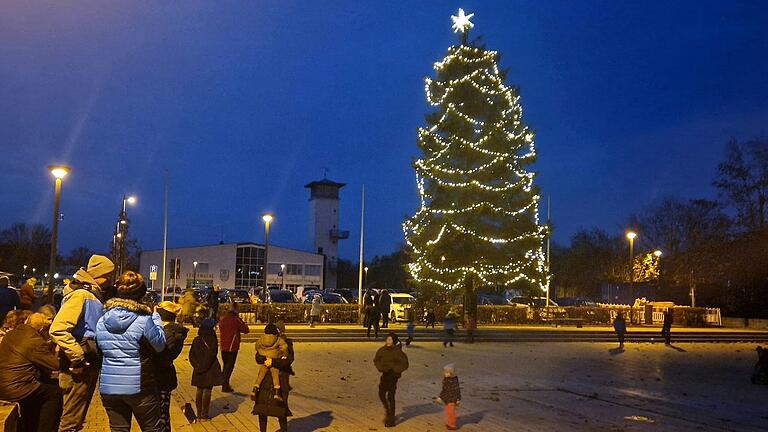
(125, 335)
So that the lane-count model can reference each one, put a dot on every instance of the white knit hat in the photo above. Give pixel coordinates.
(450, 368)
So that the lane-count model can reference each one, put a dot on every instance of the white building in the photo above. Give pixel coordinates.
(234, 265)
(324, 231)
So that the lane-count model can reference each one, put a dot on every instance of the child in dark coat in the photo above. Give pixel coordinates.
(449, 325)
(450, 396)
(206, 370)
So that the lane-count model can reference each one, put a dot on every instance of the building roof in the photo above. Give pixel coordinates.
(324, 182)
(235, 244)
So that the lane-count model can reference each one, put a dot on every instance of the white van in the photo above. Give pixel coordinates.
(401, 303)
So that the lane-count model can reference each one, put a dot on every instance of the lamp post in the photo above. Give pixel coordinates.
(59, 172)
(631, 235)
(24, 272)
(365, 282)
(194, 274)
(282, 276)
(121, 235)
(267, 218)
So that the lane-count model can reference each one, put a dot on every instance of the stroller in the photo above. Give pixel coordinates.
(760, 375)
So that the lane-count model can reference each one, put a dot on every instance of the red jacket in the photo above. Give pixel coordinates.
(230, 327)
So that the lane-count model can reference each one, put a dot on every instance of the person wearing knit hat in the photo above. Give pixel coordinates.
(265, 403)
(272, 347)
(74, 331)
(128, 384)
(450, 396)
(162, 362)
(206, 369)
(391, 361)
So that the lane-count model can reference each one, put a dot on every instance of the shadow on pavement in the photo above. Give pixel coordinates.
(312, 422)
(229, 402)
(616, 351)
(413, 411)
(470, 419)
(676, 348)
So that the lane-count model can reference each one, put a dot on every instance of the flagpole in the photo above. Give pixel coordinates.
(362, 234)
(165, 234)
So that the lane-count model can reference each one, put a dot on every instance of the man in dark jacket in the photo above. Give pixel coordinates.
(666, 328)
(391, 361)
(165, 371)
(385, 303)
(9, 298)
(371, 307)
(213, 303)
(230, 326)
(27, 360)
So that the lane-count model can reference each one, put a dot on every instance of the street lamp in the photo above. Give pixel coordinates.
(366, 276)
(121, 235)
(631, 235)
(194, 274)
(59, 172)
(282, 276)
(657, 253)
(267, 218)
(24, 273)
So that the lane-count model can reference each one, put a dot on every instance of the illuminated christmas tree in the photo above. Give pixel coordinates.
(478, 224)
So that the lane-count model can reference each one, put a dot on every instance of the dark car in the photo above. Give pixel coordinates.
(328, 298)
(348, 294)
(281, 296)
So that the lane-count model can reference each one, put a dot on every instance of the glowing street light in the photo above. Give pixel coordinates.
(120, 255)
(194, 274)
(59, 172)
(631, 235)
(267, 218)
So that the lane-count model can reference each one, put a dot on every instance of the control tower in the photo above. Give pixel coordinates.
(324, 229)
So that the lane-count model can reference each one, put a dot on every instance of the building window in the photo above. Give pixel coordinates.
(201, 267)
(294, 269)
(312, 270)
(249, 267)
(274, 268)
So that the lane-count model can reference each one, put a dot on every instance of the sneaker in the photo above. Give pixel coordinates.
(278, 397)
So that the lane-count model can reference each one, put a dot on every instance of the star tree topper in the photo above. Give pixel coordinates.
(461, 23)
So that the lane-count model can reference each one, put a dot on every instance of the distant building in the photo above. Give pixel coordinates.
(324, 231)
(234, 265)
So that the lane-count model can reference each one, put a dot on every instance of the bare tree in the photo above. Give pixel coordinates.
(743, 181)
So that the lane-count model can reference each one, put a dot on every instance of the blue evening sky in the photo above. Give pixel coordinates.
(245, 102)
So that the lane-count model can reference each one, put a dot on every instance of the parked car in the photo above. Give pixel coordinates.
(401, 306)
(490, 299)
(328, 298)
(281, 296)
(535, 307)
(348, 294)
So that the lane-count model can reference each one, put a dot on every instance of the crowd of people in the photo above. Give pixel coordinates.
(104, 335)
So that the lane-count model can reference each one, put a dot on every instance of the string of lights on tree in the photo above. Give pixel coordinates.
(479, 213)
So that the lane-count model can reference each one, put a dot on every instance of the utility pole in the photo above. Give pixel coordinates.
(165, 235)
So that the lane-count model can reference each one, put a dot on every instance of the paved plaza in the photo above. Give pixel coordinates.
(506, 387)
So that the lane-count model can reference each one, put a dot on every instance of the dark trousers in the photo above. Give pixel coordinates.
(78, 391)
(165, 410)
(387, 390)
(373, 320)
(41, 410)
(666, 333)
(385, 319)
(228, 360)
(620, 335)
(263, 423)
(449, 333)
(203, 402)
(144, 406)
